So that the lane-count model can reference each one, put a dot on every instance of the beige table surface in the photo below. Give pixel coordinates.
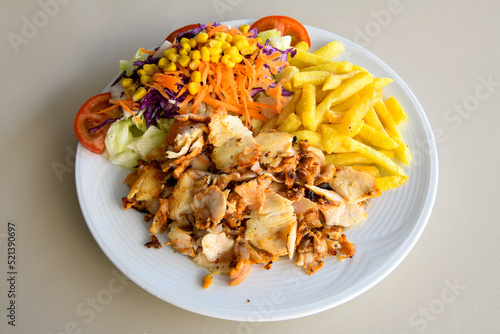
(448, 52)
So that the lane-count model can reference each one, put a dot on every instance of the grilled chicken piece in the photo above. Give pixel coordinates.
(252, 194)
(234, 144)
(274, 227)
(160, 220)
(187, 135)
(343, 214)
(354, 186)
(181, 241)
(149, 183)
(214, 267)
(218, 247)
(311, 163)
(275, 146)
(181, 199)
(209, 207)
(330, 195)
(310, 261)
(240, 272)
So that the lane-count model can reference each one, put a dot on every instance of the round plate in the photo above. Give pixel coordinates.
(395, 222)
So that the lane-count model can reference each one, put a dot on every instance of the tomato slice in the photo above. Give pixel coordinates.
(286, 25)
(88, 118)
(177, 32)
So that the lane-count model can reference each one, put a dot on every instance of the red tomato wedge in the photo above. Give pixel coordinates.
(177, 32)
(286, 25)
(89, 117)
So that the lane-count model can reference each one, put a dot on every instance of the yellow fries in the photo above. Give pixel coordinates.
(309, 107)
(344, 91)
(312, 78)
(330, 50)
(376, 138)
(338, 107)
(395, 109)
(389, 182)
(402, 150)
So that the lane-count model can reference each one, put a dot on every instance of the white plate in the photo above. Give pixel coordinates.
(394, 225)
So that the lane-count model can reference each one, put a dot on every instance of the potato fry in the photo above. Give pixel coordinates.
(330, 50)
(270, 124)
(309, 107)
(347, 159)
(295, 62)
(390, 182)
(372, 120)
(291, 124)
(344, 91)
(321, 94)
(370, 170)
(287, 73)
(334, 80)
(353, 117)
(313, 77)
(334, 117)
(333, 67)
(347, 104)
(313, 137)
(402, 151)
(374, 155)
(377, 83)
(376, 138)
(310, 58)
(330, 140)
(289, 107)
(395, 109)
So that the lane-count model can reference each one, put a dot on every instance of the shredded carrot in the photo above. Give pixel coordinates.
(146, 51)
(168, 81)
(126, 108)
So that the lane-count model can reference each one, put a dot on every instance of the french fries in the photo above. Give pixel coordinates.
(339, 107)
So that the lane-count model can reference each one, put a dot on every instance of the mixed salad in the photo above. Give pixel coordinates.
(187, 73)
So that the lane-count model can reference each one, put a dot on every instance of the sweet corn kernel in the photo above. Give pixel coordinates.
(174, 57)
(232, 49)
(195, 54)
(183, 52)
(194, 88)
(220, 35)
(127, 82)
(236, 57)
(139, 94)
(214, 43)
(202, 37)
(214, 51)
(244, 28)
(205, 55)
(169, 51)
(194, 64)
(162, 62)
(258, 40)
(226, 59)
(247, 51)
(241, 44)
(150, 68)
(132, 89)
(229, 38)
(142, 72)
(215, 58)
(170, 67)
(184, 40)
(196, 76)
(225, 45)
(184, 61)
(145, 79)
(186, 46)
(238, 38)
(192, 43)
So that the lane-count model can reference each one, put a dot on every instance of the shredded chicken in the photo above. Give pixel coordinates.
(230, 200)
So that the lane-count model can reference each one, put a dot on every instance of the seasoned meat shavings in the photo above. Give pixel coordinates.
(230, 200)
